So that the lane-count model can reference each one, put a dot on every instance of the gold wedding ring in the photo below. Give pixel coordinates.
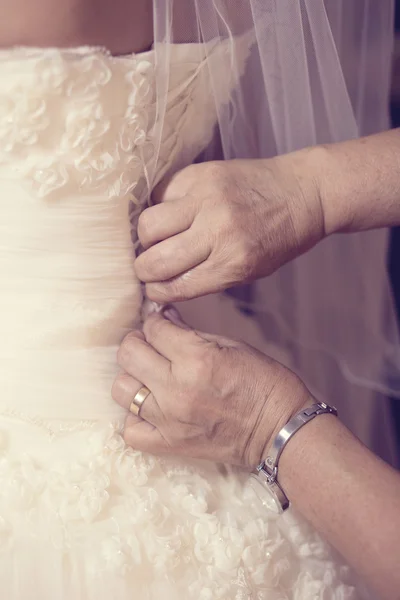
(138, 400)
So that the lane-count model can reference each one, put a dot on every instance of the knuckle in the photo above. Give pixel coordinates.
(230, 218)
(140, 267)
(118, 388)
(160, 266)
(212, 185)
(176, 185)
(235, 215)
(127, 348)
(215, 171)
(145, 226)
(151, 264)
(199, 370)
(132, 338)
(187, 175)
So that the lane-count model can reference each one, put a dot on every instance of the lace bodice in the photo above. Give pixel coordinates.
(82, 140)
(82, 117)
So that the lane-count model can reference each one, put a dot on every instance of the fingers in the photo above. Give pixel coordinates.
(143, 436)
(204, 279)
(169, 339)
(176, 186)
(175, 207)
(124, 390)
(160, 222)
(141, 361)
(173, 257)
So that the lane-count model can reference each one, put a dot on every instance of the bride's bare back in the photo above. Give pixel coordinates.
(122, 26)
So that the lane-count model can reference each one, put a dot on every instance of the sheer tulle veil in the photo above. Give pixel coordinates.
(316, 71)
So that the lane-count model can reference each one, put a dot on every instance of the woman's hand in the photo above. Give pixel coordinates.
(220, 400)
(224, 223)
(211, 398)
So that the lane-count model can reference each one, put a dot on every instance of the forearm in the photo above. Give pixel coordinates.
(350, 496)
(359, 182)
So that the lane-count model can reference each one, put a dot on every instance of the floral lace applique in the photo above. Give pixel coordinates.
(136, 511)
(77, 124)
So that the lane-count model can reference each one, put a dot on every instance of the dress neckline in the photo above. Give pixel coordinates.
(26, 52)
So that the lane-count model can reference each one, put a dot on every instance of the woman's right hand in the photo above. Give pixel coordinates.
(221, 224)
(211, 397)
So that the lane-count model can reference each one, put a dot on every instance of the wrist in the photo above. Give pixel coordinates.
(330, 175)
(356, 182)
(268, 471)
(306, 205)
(286, 416)
(289, 398)
(317, 439)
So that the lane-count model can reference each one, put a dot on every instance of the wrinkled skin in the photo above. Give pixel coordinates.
(212, 398)
(219, 224)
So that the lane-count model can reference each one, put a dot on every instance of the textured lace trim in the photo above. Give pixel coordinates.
(113, 510)
(76, 124)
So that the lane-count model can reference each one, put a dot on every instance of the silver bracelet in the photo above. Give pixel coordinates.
(267, 472)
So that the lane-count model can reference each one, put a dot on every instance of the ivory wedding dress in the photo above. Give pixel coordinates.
(82, 516)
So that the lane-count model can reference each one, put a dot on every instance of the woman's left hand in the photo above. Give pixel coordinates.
(211, 398)
(220, 224)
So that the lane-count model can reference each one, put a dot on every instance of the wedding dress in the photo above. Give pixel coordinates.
(82, 516)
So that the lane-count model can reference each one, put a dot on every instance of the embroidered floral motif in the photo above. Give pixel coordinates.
(124, 512)
(71, 128)
(91, 121)
(93, 115)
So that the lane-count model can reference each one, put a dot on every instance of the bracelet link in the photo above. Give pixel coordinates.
(269, 476)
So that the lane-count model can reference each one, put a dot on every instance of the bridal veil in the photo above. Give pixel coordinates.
(316, 71)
